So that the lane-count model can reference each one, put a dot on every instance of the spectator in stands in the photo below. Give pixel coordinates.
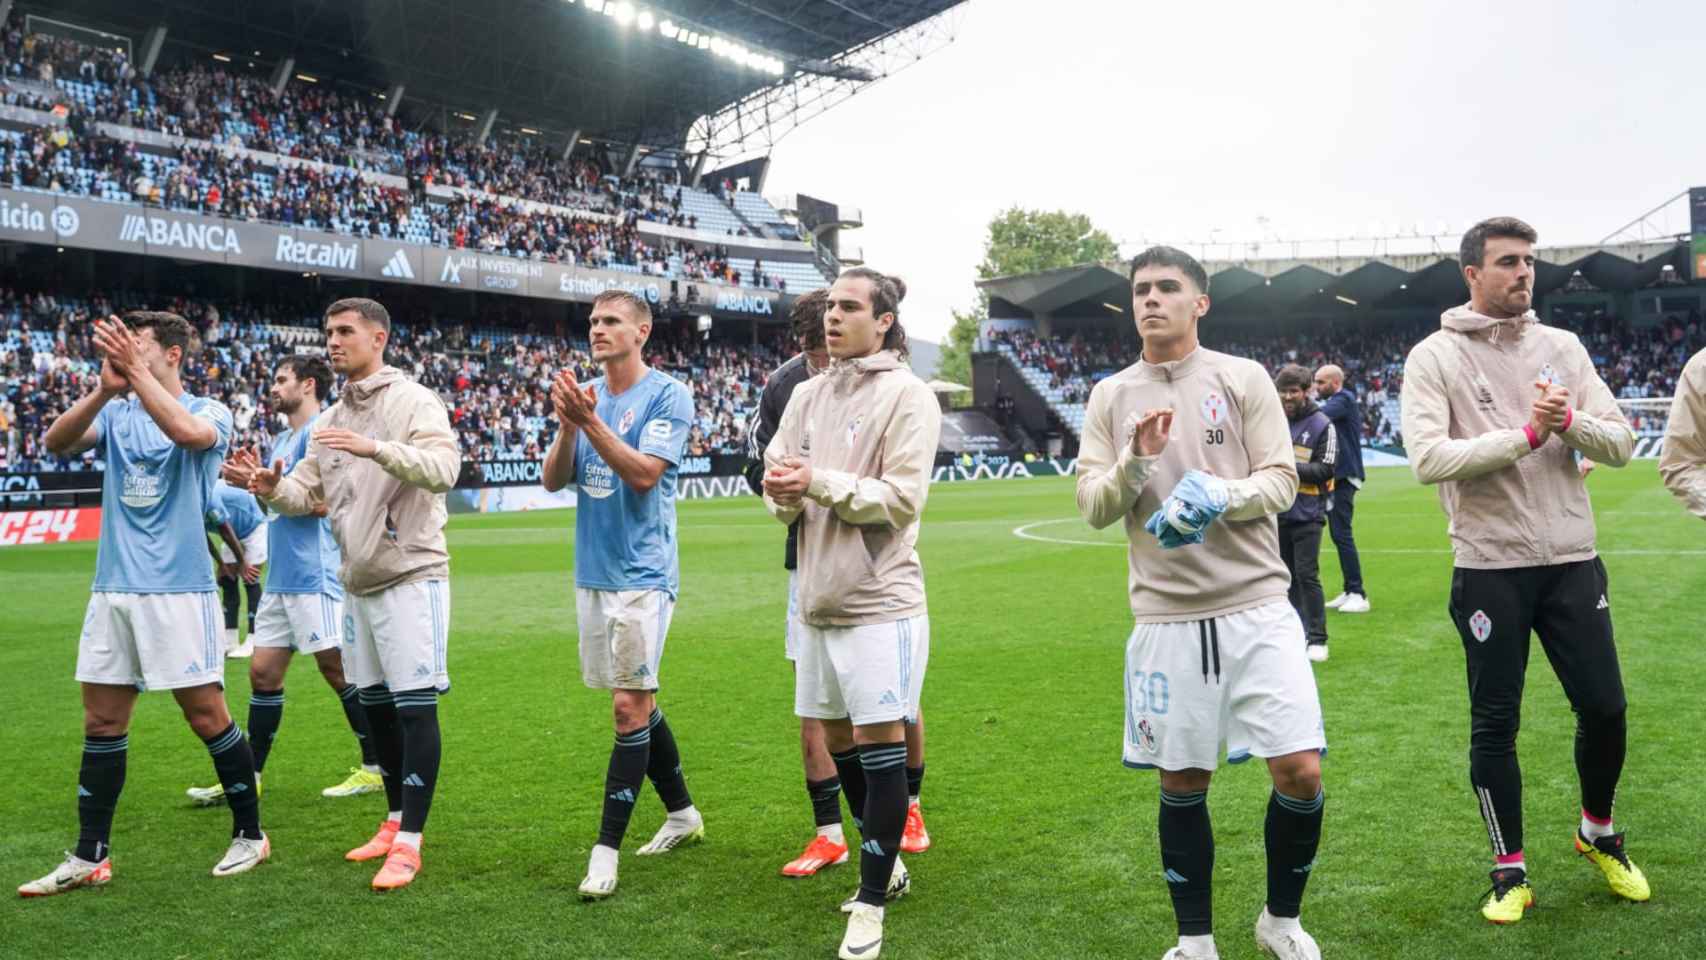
(1341, 407)
(1314, 440)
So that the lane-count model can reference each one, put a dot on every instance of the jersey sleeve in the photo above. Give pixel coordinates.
(217, 414)
(667, 421)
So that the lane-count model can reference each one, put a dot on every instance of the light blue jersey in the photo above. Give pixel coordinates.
(302, 557)
(154, 500)
(624, 539)
(237, 507)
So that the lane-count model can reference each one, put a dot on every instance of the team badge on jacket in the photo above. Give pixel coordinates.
(1213, 409)
(853, 429)
(1548, 375)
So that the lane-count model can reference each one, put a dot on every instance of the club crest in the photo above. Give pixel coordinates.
(1548, 375)
(1146, 735)
(853, 429)
(1481, 625)
(1214, 409)
(626, 421)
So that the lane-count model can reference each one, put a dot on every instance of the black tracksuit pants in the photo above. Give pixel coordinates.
(1567, 605)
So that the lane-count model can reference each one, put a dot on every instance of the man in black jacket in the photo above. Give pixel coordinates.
(1315, 444)
(1342, 408)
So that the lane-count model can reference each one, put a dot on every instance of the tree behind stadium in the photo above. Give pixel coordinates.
(1021, 241)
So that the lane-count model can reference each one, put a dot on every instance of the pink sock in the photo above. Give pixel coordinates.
(1505, 861)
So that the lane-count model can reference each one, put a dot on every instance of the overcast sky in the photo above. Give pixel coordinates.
(1165, 121)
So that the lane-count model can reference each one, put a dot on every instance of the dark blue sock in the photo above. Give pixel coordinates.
(622, 783)
(235, 764)
(99, 782)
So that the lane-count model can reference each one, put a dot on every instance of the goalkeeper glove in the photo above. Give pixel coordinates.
(1187, 512)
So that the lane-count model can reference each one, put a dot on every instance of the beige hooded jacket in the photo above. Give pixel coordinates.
(1683, 464)
(1469, 389)
(1228, 421)
(869, 429)
(388, 512)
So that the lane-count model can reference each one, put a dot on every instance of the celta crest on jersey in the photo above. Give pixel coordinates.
(1213, 408)
(1481, 625)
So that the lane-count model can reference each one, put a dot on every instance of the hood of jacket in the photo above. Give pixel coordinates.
(1464, 319)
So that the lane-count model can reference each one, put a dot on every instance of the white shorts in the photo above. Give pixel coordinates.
(155, 641)
(304, 622)
(869, 674)
(399, 637)
(622, 633)
(791, 633)
(254, 548)
(1240, 681)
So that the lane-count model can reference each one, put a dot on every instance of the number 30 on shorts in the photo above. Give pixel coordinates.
(1149, 693)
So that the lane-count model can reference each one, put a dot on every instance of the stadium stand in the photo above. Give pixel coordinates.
(231, 121)
(1635, 361)
(496, 382)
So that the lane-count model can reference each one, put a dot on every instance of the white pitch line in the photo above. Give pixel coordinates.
(1024, 533)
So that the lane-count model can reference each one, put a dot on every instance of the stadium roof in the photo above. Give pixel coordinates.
(1277, 288)
(553, 65)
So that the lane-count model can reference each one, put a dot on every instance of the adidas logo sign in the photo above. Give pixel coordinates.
(237, 788)
(625, 795)
(413, 780)
(192, 669)
(888, 699)
(1174, 876)
(83, 791)
(1603, 604)
(871, 847)
(398, 267)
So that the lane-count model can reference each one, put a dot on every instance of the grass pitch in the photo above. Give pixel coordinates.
(1044, 844)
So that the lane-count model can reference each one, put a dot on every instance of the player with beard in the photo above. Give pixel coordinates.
(1496, 407)
(302, 608)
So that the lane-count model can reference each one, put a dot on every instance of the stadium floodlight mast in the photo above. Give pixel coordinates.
(670, 27)
(756, 122)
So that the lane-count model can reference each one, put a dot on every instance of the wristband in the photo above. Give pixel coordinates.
(1533, 438)
(1569, 418)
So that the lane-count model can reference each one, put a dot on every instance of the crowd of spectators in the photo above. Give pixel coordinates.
(496, 384)
(1636, 361)
(358, 136)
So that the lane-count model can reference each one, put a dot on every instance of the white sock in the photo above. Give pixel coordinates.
(1284, 924)
(833, 832)
(912, 800)
(1202, 946)
(602, 861)
(686, 815)
(395, 816)
(1593, 831)
(412, 839)
(370, 768)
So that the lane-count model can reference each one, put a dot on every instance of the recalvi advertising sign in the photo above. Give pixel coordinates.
(56, 219)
